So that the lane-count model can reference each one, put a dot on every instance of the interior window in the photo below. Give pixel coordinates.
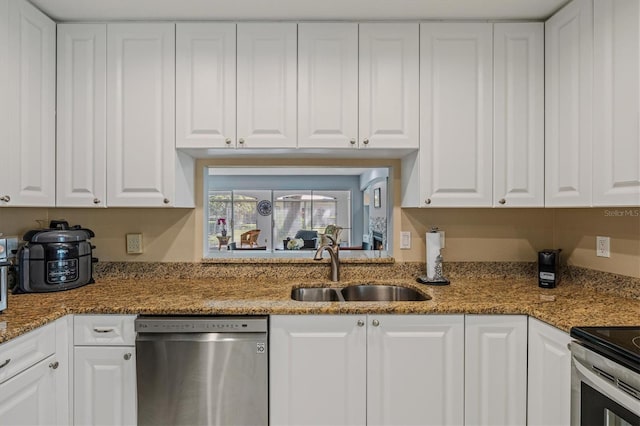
(257, 211)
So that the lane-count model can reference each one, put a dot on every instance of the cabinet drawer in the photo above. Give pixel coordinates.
(24, 351)
(111, 330)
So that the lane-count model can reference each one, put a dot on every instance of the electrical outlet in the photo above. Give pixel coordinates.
(405, 240)
(134, 243)
(602, 247)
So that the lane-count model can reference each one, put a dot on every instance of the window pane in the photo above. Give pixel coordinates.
(219, 208)
(244, 214)
(291, 213)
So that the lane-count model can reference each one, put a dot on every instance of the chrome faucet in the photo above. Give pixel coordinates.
(334, 253)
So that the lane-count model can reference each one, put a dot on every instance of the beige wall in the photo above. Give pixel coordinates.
(471, 234)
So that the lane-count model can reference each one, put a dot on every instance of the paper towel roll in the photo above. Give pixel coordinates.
(433, 250)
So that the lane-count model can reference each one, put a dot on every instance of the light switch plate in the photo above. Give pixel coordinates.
(134, 243)
(405, 240)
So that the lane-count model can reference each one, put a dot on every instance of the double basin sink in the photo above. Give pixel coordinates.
(359, 293)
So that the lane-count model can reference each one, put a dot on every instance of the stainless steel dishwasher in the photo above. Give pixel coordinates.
(202, 370)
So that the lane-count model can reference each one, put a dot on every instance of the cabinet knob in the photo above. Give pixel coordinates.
(427, 201)
(5, 198)
(502, 201)
(127, 356)
(54, 365)
(352, 141)
(365, 141)
(96, 201)
(4, 364)
(227, 141)
(166, 201)
(375, 323)
(360, 323)
(241, 141)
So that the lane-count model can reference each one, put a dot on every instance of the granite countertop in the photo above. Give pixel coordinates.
(573, 304)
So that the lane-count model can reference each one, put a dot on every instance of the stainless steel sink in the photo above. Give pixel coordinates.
(358, 293)
(315, 294)
(381, 293)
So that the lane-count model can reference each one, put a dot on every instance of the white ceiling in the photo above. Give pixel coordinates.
(98, 10)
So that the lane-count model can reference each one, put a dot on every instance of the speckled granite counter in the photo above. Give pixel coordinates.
(175, 291)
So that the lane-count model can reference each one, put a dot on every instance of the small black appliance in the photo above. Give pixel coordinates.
(55, 259)
(549, 268)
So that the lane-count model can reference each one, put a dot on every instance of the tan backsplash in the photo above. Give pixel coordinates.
(174, 235)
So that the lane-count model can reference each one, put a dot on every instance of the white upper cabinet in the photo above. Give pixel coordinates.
(266, 81)
(81, 119)
(568, 104)
(327, 85)
(495, 370)
(389, 80)
(27, 96)
(141, 153)
(205, 85)
(455, 160)
(518, 138)
(616, 103)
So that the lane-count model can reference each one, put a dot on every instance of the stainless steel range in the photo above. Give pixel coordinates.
(605, 376)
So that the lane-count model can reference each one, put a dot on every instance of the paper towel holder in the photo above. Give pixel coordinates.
(437, 278)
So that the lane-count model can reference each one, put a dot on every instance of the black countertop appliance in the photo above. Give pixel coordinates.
(55, 259)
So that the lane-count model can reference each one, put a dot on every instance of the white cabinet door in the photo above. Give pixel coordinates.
(266, 80)
(141, 158)
(29, 398)
(518, 118)
(104, 385)
(495, 370)
(415, 369)
(549, 384)
(616, 103)
(327, 85)
(568, 130)
(389, 78)
(27, 135)
(205, 85)
(456, 62)
(81, 147)
(317, 370)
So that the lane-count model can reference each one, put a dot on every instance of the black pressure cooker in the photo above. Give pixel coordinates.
(55, 259)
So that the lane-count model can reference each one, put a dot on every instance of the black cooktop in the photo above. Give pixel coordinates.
(621, 344)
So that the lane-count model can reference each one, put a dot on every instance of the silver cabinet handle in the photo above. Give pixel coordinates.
(241, 141)
(365, 141)
(352, 141)
(4, 364)
(127, 356)
(103, 329)
(502, 201)
(166, 201)
(427, 201)
(54, 365)
(96, 201)
(5, 198)
(360, 323)
(375, 322)
(227, 141)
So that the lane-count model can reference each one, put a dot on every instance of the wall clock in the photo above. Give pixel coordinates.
(264, 207)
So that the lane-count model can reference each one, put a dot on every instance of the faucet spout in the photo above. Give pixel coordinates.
(334, 254)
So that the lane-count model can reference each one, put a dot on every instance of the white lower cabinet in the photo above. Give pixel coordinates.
(104, 383)
(495, 370)
(34, 378)
(366, 369)
(549, 375)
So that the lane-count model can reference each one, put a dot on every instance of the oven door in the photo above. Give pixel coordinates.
(597, 395)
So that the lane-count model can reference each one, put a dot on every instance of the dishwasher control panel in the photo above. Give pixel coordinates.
(164, 324)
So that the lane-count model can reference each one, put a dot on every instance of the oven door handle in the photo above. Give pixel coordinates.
(605, 387)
